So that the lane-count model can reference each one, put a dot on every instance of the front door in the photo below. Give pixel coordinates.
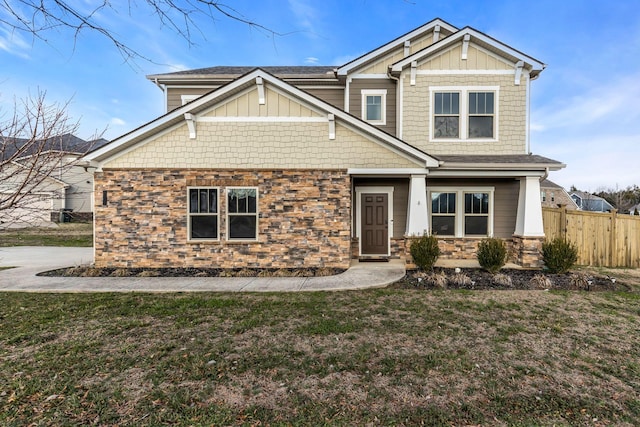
(375, 224)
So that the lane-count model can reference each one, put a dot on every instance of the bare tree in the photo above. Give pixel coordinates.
(39, 17)
(35, 141)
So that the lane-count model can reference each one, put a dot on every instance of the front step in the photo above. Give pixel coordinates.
(373, 259)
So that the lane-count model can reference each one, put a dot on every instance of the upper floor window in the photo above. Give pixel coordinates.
(462, 113)
(374, 105)
(242, 213)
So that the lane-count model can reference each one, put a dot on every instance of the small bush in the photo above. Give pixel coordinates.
(540, 281)
(492, 254)
(437, 280)
(425, 251)
(461, 280)
(502, 280)
(581, 281)
(559, 255)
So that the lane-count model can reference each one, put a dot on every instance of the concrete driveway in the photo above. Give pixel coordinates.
(30, 260)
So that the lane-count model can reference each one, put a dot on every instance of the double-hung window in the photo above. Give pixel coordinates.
(461, 212)
(203, 213)
(242, 213)
(464, 113)
(374, 106)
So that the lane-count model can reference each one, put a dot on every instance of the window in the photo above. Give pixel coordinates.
(374, 106)
(242, 213)
(446, 119)
(443, 213)
(464, 113)
(476, 214)
(188, 98)
(203, 214)
(480, 114)
(543, 195)
(553, 197)
(461, 212)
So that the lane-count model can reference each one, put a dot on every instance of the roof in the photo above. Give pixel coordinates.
(209, 100)
(67, 143)
(510, 161)
(550, 184)
(231, 72)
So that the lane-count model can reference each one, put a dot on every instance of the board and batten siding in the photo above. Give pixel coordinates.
(355, 100)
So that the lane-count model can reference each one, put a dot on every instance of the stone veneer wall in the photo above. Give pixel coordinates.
(525, 252)
(304, 219)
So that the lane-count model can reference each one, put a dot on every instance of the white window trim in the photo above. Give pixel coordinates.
(257, 213)
(459, 215)
(383, 105)
(189, 214)
(367, 190)
(463, 132)
(188, 98)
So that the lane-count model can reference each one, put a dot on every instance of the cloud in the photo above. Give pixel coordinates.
(311, 60)
(306, 15)
(13, 43)
(116, 121)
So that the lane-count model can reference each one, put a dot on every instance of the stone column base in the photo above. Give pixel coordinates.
(527, 251)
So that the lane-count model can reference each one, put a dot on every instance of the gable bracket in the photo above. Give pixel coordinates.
(191, 124)
(407, 48)
(414, 68)
(260, 84)
(519, 66)
(332, 126)
(465, 45)
(436, 33)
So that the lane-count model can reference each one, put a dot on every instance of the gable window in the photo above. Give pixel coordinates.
(446, 119)
(242, 213)
(203, 215)
(374, 106)
(461, 212)
(464, 113)
(480, 114)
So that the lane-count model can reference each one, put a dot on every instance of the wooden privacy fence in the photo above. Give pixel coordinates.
(602, 239)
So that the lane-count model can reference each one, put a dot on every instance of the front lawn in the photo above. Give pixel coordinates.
(378, 357)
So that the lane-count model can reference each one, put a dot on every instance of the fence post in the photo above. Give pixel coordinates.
(614, 253)
(563, 222)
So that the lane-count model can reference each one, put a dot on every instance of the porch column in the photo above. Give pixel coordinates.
(417, 212)
(529, 220)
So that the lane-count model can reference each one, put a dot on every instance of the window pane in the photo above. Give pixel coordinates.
(476, 203)
(213, 201)
(204, 227)
(193, 200)
(374, 112)
(204, 201)
(489, 103)
(446, 103)
(475, 225)
(455, 103)
(480, 127)
(443, 225)
(446, 127)
(251, 202)
(473, 103)
(443, 203)
(242, 227)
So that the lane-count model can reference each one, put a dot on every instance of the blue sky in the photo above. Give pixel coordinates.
(585, 107)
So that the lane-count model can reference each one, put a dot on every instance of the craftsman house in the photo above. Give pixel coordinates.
(313, 166)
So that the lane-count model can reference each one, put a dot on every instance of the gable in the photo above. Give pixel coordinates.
(477, 59)
(247, 104)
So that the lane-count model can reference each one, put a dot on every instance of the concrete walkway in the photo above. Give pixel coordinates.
(30, 260)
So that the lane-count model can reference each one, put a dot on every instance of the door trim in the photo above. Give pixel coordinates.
(388, 190)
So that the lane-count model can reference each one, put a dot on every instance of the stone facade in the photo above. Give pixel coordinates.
(303, 219)
(527, 251)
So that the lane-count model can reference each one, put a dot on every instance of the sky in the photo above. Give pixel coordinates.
(585, 106)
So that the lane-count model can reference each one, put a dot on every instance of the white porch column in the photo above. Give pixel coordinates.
(417, 211)
(529, 220)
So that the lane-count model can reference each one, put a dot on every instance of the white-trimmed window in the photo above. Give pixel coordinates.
(374, 105)
(464, 113)
(242, 213)
(461, 212)
(202, 213)
(188, 98)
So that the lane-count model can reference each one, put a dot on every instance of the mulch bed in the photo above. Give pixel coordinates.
(190, 272)
(475, 278)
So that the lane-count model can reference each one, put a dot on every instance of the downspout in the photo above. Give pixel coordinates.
(546, 174)
(398, 103)
(164, 92)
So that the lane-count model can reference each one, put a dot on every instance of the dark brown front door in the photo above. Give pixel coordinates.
(375, 224)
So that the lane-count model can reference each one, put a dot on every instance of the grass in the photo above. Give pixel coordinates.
(379, 357)
(65, 234)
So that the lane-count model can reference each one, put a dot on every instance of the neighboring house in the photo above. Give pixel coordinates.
(554, 196)
(65, 194)
(634, 210)
(590, 202)
(311, 166)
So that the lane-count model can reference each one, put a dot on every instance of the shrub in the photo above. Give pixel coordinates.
(492, 254)
(461, 280)
(425, 251)
(540, 281)
(559, 255)
(502, 280)
(437, 280)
